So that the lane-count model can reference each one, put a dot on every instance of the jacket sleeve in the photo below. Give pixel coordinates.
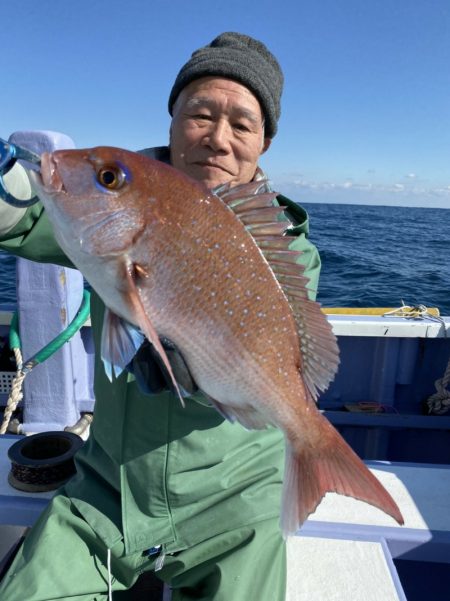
(27, 232)
(18, 184)
(310, 258)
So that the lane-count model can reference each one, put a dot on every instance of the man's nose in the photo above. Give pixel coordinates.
(218, 136)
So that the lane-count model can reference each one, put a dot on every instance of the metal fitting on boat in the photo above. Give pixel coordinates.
(15, 427)
(82, 426)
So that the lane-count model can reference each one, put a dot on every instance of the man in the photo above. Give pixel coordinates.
(158, 486)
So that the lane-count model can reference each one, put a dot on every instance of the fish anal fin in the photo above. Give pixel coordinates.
(330, 466)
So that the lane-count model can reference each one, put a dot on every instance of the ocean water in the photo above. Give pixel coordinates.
(378, 256)
(372, 256)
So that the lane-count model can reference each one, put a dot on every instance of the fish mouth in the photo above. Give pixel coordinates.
(50, 176)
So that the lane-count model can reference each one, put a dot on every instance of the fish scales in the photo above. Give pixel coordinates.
(176, 260)
(211, 285)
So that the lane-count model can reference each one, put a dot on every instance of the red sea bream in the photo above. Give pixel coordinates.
(212, 272)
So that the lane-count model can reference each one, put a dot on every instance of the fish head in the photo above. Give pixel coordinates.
(101, 199)
(92, 198)
(114, 212)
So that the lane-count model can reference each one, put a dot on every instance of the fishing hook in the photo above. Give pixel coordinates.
(9, 154)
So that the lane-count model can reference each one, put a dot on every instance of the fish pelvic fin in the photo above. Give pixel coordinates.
(255, 205)
(313, 470)
(120, 342)
(146, 325)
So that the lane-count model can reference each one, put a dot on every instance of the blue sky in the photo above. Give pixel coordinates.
(366, 105)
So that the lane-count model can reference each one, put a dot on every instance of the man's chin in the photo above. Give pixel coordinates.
(215, 183)
(211, 177)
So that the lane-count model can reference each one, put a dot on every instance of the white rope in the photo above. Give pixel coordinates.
(108, 561)
(439, 402)
(16, 394)
(414, 312)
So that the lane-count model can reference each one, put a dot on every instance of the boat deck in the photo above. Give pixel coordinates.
(355, 545)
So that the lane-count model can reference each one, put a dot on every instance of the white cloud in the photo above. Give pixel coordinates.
(413, 192)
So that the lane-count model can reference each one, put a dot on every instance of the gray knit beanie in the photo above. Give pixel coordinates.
(243, 59)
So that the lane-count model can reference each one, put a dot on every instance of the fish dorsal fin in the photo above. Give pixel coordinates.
(254, 206)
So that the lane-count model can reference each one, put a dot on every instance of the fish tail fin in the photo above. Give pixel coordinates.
(328, 466)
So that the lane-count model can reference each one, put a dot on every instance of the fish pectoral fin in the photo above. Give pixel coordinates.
(146, 326)
(331, 465)
(120, 342)
(247, 417)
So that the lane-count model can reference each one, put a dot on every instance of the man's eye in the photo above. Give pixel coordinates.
(241, 127)
(202, 117)
(189, 115)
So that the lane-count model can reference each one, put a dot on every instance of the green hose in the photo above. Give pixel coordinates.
(48, 350)
(14, 338)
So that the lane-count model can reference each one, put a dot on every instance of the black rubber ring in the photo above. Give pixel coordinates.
(44, 461)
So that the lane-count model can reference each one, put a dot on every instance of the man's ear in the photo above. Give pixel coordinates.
(267, 142)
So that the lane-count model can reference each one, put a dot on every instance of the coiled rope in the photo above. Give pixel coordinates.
(439, 402)
(23, 369)
(415, 312)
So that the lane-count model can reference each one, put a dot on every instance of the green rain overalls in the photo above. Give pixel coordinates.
(157, 485)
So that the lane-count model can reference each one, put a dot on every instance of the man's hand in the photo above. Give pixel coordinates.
(152, 376)
(15, 181)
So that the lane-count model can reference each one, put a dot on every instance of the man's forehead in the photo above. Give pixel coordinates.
(211, 92)
(202, 101)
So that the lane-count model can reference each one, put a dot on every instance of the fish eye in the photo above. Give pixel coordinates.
(111, 177)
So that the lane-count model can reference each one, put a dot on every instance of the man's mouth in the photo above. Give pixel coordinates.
(212, 165)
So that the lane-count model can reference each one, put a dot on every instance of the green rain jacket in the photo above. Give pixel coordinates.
(153, 473)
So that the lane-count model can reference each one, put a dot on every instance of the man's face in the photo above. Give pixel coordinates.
(217, 132)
